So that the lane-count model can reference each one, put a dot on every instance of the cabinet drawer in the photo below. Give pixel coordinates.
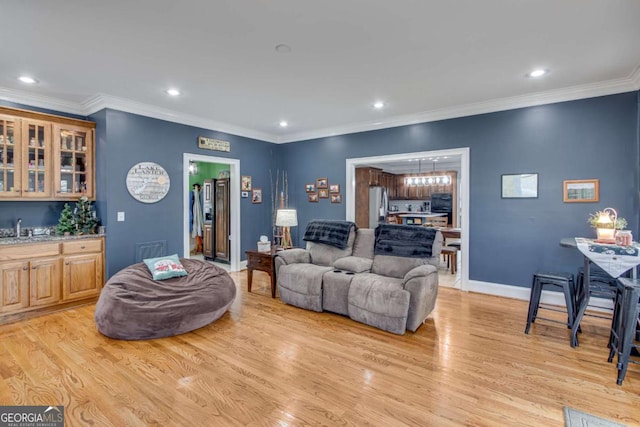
(28, 251)
(82, 246)
(260, 263)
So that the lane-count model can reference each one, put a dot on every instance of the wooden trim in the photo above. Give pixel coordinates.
(45, 116)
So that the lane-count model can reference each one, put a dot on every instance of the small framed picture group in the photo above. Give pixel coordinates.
(321, 189)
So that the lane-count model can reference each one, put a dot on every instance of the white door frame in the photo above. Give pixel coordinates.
(463, 197)
(234, 203)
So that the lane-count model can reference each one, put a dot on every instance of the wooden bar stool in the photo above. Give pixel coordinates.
(451, 255)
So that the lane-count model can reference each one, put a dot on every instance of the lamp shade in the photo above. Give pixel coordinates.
(286, 218)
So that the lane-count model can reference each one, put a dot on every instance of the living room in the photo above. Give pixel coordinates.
(572, 129)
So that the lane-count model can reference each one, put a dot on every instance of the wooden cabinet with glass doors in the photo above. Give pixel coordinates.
(45, 157)
(73, 167)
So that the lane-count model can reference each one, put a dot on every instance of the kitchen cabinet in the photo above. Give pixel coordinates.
(38, 278)
(45, 157)
(73, 165)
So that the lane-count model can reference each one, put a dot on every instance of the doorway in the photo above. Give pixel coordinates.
(462, 153)
(234, 204)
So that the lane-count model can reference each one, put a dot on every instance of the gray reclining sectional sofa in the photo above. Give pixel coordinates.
(386, 278)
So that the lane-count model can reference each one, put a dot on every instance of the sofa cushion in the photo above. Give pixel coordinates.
(335, 291)
(379, 301)
(301, 285)
(323, 254)
(353, 264)
(365, 242)
(393, 266)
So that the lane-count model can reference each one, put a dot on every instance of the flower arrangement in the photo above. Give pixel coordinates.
(594, 220)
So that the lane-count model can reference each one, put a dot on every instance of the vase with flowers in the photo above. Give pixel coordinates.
(606, 222)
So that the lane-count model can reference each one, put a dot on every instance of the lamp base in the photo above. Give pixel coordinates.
(606, 241)
(286, 238)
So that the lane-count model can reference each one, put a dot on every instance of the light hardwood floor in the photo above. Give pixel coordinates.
(267, 363)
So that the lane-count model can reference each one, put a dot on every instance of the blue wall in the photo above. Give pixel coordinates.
(509, 238)
(126, 139)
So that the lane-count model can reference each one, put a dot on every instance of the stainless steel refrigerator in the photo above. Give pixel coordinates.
(378, 206)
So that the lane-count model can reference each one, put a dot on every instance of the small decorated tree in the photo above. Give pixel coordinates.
(66, 223)
(85, 216)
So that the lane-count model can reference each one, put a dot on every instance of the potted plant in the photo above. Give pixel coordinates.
(606, 222)
(66, 223)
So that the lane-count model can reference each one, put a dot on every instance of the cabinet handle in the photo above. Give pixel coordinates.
(33, 268)
(66, 263)
(25, 268)
(82, 247)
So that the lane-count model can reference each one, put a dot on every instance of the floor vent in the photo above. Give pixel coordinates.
(153, 249)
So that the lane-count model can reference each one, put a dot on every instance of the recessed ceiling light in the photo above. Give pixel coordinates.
(283, 124)
(538, 72)
(378, 105)
(27, 79)
(283, 48)
(173, 92)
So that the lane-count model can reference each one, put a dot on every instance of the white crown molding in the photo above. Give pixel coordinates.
(635, 78)
(41, 101)
(102, 101)
(560, 95)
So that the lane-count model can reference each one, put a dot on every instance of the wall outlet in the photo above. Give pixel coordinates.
(120, 216)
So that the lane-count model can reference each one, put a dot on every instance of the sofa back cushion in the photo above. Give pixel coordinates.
(323, 254)
(365, 242)
(394, 266)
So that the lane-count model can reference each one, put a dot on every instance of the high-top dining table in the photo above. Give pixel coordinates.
(615, 260)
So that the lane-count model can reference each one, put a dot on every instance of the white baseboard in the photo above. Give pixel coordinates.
(518, 292)
(242, 265)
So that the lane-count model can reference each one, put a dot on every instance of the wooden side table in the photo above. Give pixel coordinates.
(262, 261)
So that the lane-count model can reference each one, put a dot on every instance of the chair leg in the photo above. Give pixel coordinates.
(533, 304)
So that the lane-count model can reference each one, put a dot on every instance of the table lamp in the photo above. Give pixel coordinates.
(606, 226)
(286, 218)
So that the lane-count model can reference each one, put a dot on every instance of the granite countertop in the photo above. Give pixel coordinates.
(44, 238)
(421, 215)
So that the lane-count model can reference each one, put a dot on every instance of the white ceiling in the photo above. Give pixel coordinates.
(426, 59)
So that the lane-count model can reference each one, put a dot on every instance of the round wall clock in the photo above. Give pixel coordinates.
(148, 182)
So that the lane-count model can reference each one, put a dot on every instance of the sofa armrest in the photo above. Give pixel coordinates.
(422, 284)
(291, 256)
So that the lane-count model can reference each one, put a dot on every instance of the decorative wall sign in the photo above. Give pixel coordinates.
(148, 182)
(213, 144)
(581, 190)
(520, 186)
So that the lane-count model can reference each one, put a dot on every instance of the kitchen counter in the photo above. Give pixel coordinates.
(45, 238)
(421, 215)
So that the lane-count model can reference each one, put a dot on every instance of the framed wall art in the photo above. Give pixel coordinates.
(322, 183)
(581, 190)
(520, 186)
(312, 197)
(245, 183)
(256, 195)
(310, 188)
(336, 198)
(334, 188)
(323, 193)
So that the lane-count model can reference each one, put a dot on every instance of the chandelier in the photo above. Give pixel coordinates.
(427, 180)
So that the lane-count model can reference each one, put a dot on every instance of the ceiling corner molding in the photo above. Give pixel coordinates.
(635, 78)
(102, 101)
(609, 87)
(41, 101)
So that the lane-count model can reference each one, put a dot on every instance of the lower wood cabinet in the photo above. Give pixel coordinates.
(36, 278)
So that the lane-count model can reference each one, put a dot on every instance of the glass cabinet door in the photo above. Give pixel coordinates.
(10, 157)
(73, 163)
(36, 159)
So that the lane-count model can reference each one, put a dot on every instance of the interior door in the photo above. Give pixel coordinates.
(222, 249)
